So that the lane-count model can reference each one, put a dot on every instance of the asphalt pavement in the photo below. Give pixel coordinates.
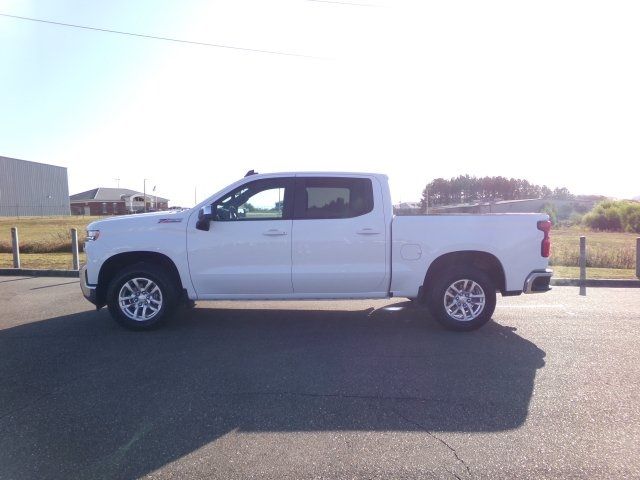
(334, 389)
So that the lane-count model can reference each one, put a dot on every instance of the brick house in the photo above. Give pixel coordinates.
(114, 201)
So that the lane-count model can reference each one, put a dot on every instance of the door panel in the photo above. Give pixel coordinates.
(247, 250)
(345, 254)
(242, 257)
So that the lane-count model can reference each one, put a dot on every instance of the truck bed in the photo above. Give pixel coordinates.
(513, 238)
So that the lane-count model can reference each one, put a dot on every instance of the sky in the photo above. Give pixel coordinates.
(546, 91)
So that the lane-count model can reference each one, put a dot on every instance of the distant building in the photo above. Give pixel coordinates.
(32, 189)
(407, 208)
(531, 205)
(115, 201)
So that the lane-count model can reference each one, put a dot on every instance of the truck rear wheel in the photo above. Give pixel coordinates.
(462, 299)
(141, 296)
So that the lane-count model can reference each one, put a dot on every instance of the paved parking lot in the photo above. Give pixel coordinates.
(550, 389)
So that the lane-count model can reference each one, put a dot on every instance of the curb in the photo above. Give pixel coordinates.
(574, 282)
(26, 272)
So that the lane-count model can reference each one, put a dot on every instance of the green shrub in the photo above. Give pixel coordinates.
(615, 216)
(550, 209)
(575, 219)
(632, 221)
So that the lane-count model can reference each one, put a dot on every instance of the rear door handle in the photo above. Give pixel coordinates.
(274, 232)
(368, 231)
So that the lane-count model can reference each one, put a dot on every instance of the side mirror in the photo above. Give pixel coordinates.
(205, 216)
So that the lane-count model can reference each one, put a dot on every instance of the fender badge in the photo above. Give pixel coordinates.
(170, 220)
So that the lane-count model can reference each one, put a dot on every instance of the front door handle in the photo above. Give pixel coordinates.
(274, 232)
(368, 231)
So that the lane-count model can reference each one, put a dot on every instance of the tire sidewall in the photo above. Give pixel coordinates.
(146, 271)
(440, 286)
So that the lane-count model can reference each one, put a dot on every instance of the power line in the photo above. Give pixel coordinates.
(344, 3)
(168, 39)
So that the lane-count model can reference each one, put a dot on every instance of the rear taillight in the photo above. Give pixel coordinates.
(545, 226)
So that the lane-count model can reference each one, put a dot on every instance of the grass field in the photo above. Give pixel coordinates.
(42, 234)
(55, 261)
(604, 249)
(45, 243)
(595, 273)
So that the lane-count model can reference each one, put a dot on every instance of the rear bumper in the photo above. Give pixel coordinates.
(538, 281)
(89, 291)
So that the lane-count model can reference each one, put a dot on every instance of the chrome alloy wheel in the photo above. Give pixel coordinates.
(464, 300)
(140, 299)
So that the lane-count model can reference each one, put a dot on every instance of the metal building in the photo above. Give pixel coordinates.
(32, 189)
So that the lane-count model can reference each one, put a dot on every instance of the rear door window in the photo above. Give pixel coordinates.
(332, 197)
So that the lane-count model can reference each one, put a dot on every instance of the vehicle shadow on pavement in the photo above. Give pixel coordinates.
(82, 398)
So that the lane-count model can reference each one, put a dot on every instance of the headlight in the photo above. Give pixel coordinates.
(92, 235)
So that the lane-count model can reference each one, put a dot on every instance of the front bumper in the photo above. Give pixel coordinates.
(89, 291)
(538, 281)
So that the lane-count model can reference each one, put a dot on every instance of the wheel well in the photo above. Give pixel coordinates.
(116, 263)
(481, 260)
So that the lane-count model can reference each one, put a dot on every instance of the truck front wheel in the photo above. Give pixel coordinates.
(463, 298)
(141, 296)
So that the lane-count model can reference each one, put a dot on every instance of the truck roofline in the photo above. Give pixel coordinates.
(258, 176)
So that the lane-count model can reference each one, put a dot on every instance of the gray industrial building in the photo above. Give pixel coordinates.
(32, 189)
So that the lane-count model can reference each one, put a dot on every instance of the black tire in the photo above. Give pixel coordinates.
(440, 286)
(167, 296)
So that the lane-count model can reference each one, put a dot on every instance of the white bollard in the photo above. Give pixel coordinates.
(15, 247)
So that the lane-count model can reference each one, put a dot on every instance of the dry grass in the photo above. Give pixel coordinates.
(604, 249)
(42, 234)
(42, 261)
(594, 273)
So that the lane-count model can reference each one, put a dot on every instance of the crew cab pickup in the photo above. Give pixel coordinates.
(312, 236)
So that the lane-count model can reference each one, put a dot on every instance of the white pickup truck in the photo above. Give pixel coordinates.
(312, 236)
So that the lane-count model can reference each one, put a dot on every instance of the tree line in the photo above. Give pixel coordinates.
(469, 189)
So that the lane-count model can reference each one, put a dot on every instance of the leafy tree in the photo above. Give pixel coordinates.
(562, 194)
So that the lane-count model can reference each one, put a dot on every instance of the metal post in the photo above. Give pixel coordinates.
(15, 247)
(583, 265)
(74, 248)
(638, 257)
